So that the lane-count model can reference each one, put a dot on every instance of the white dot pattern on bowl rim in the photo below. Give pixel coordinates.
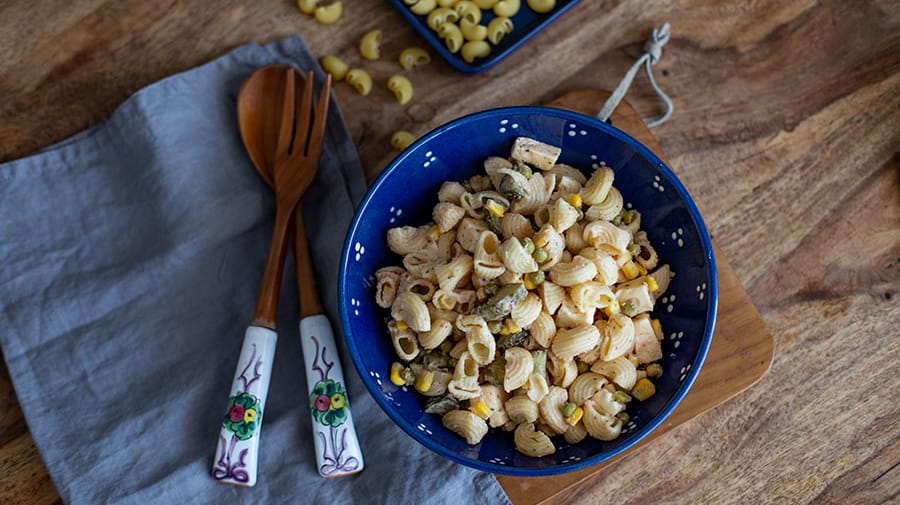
(504, 122)
(684, 372)
(701, 290)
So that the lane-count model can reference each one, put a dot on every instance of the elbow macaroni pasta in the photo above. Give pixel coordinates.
(370, 45)
(335, 66)
(520, 304)
(401, 87)
(414, 57)
(328, 14)
(401, 139)
(360, 80)
(541, 6)
(474, 49)
(507, 8)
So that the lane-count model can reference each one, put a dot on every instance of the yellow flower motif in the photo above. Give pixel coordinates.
(249, 415)
(338, 401)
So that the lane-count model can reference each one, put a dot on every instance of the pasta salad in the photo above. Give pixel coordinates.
(525, 304)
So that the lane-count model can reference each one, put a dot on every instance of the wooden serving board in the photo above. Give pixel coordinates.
(740, 354)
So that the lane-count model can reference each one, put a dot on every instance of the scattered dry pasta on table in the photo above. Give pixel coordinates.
(525, 304)
(460, 23)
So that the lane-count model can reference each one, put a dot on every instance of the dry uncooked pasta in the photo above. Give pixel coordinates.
(519, 307)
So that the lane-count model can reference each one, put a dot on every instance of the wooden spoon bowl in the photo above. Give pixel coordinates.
(259, 110)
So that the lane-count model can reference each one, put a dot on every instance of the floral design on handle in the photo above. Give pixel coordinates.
(328, 402)
(329, 407)
(243, 415)
(242, 419)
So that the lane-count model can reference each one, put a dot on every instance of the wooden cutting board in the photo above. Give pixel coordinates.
(740, 354)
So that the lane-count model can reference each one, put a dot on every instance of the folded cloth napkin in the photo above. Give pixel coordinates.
(131, 258)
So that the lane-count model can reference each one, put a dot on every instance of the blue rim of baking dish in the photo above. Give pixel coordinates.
(455, 59)
(639, 435)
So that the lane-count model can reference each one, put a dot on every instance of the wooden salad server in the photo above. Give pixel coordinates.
(336, 444)
(293, 171)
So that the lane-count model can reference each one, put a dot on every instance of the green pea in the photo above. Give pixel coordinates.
(568, 409)
(528, 245)
(536, 278)
(624, 417)
(634, 249)
(622, 396)
(540, 255)
(654, 370)
(583, 367)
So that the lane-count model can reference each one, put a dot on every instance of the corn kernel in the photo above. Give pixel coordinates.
(424, 381)
(494, 208)
(480, 409)
(633, 359)
(643, 389)
(652, 285)
(630, 270)
(397, 374)
(574, 200)
(641, 269)
(657, 328)
(612, 308)
(434, 233)
(575, 417)
(528, 284)
(541, 241)
(509, 327)
(401, 325)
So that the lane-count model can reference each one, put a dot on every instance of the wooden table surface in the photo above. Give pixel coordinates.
(786, 131)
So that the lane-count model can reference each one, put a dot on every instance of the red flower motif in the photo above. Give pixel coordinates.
(236, 413)
(322, 402)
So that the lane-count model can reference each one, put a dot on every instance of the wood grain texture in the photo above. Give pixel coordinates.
(785, 131)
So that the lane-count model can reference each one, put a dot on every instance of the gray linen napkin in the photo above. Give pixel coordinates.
(130, 259)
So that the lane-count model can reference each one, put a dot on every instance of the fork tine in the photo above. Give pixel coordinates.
(287, 117)
(315, 138)
(303, 120)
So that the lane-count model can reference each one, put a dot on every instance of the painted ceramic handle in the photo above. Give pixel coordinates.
(237, 452)
(337, 448)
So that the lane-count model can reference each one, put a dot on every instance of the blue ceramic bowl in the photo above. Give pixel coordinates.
(405, 194)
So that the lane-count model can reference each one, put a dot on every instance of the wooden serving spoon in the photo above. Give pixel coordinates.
(337, 447)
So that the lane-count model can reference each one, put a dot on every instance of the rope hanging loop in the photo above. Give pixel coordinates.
(652, 54)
